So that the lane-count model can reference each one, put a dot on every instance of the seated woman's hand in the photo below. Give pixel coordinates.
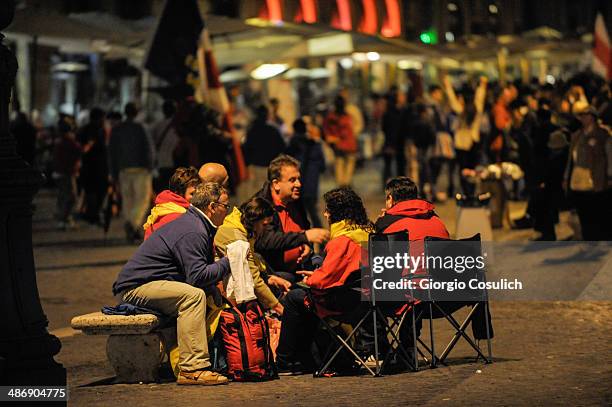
(280, 283)
(306, 274)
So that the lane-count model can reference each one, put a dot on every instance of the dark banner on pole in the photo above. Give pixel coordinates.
(174, 46)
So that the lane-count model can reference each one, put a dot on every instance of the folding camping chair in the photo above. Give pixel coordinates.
(355, 304)
(355, 314)
(441, 305)
(394, 313)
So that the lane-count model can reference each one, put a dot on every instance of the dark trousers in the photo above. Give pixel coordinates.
(95, 192)
(545, 212)
(424, 169)
(465, 159)
(593, 210)
(66, 196)
(400, 164)
(436, 164)
(298, 330)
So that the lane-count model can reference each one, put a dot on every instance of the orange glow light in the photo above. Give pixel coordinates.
(342, 19)
(307, 12)
(392, 27)
(369, 20)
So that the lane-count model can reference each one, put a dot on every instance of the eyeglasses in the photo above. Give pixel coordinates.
(226, 206)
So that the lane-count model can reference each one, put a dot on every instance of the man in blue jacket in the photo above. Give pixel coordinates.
(171, 271)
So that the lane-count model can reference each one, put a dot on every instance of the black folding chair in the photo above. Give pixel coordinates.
(357, 318)
(340, 305)
(396, 313)
(444, 305)
(355, 304)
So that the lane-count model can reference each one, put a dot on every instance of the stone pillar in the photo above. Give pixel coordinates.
(26, 347)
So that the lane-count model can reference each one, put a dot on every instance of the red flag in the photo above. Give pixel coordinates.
(602, 53)
(216, 97)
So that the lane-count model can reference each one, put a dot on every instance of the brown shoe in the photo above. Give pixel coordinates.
(202, 377)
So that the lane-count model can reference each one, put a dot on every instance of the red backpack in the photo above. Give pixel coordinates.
(246, 336)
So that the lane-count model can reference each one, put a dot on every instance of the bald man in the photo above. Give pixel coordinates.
(213, 172)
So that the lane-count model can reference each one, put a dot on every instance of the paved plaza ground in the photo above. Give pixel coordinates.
(545, 353)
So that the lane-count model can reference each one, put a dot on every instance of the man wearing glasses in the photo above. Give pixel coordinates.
(173, 271)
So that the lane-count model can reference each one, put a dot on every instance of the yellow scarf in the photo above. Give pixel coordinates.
(162, 210)
(233, 220)
(353, 232)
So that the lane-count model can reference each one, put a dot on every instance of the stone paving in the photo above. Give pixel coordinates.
(546, 353)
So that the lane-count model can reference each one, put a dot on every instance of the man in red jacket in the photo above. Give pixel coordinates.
(404, 211)
(285, 242)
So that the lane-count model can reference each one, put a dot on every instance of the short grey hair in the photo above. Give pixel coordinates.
(207, 193)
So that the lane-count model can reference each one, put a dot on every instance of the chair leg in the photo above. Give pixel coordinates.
(426, 349)
(389, 329)
(414, 341)
(434, 358)
(343, 343)
(395, 340)
(375, 330)
(460, 331)
(489, 346)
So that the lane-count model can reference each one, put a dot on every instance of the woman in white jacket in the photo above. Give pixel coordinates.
(467, 127)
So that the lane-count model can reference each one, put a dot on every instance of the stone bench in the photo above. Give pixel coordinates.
(136, 343)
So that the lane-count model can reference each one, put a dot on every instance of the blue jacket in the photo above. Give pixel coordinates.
(310, 154)
(181, 250)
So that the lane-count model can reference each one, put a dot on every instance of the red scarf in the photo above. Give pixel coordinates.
(290, 219)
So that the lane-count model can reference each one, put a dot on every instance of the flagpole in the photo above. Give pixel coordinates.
(202, 69)
(213, 94)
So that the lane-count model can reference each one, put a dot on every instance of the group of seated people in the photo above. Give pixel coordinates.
(182, 267)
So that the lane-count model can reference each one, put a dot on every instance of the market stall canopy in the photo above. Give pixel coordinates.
(235, 41)
(543, 33)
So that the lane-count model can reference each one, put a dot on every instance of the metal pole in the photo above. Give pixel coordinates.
(33, 70)
(26, 347)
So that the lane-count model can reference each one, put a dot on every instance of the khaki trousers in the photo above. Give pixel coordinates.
(345, 167)
(136, 185)
(188, 304)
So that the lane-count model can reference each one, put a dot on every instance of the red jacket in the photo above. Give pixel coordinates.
(343, 255)
(167, 208)
(341, 260)
(418, 218)
(339, 132)
(291, 220)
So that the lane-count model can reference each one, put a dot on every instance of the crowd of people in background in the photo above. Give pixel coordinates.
(441, 137)
(176, 184)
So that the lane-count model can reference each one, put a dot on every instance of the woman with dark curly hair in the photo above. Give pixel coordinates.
(349, 227)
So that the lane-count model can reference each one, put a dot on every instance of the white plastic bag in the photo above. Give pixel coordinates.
(240, 284)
